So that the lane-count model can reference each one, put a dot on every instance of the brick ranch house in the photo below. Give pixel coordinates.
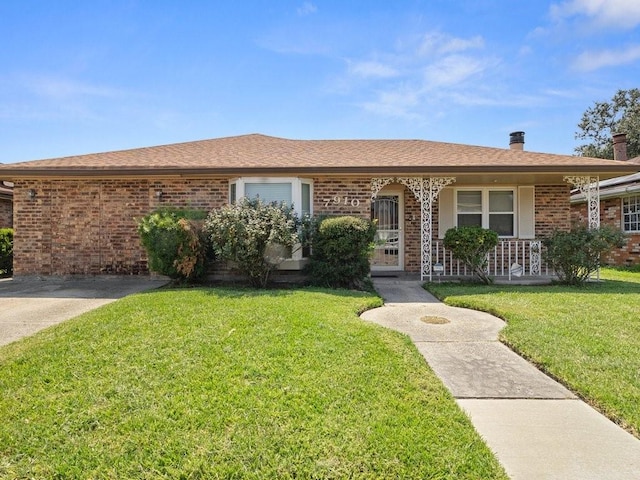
(619, 207)
(78, 215)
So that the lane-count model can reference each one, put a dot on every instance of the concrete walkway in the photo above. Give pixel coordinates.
(27, 306)
(537, 428)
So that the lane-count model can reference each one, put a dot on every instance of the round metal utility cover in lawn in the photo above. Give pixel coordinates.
(434, 320)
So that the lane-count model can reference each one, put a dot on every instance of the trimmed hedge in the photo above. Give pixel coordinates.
(342, 247)
(175, 243)
(575, 255)
(6, 251)
(253, 237)
(471, 245)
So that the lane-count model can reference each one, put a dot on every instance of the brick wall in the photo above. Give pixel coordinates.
(553, 210)
(6, 213)
(88, 227)
(412, 240)
(342, 196)
(611, 214)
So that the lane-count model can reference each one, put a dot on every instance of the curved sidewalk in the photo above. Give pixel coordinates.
(537, 428)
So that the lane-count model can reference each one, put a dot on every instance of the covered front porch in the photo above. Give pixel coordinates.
(517, 257)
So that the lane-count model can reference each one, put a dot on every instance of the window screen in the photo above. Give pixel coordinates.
(269, 192)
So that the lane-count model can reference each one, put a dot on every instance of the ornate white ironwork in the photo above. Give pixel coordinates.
(535, 257)
(426, 191)
(378, 184)
(414, 184)
(588, 186)
(431, 188)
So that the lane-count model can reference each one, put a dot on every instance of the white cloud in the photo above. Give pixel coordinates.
(452, 70)
(421, 70)
(441, 44)
(307, 8)
(611, 13)
(372, 69)
(64, 88)
(589, 61)
(394, 103)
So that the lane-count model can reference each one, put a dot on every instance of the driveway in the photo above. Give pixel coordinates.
(27, 306)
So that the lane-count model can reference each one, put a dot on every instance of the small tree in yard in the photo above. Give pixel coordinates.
(471, 246)
(254, 237)
(575, 255)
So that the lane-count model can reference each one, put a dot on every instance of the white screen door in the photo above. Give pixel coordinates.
(387, 210)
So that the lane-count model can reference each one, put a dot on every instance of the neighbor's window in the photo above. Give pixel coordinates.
(631, 214)
(292, 191)
(493, 209)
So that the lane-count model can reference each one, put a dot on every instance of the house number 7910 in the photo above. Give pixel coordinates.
(345, 200)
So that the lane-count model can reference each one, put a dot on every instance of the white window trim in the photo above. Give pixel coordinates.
(297, 261)
(296, 189)
(485, 205)
(622, 222)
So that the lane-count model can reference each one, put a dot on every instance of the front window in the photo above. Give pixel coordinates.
(269, 192)
(493, 209)
(631, 214)
(297, 192)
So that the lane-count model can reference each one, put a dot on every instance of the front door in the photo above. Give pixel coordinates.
(387, 211)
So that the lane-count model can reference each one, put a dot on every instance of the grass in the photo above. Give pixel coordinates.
(230, 383)
(587, 337)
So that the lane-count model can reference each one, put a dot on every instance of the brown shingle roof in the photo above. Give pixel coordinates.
(256, 153)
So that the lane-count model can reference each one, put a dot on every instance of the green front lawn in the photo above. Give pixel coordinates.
(226, 383)
(589, 337)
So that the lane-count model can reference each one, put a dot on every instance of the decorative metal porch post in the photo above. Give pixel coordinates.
(431, 188)
(589, 187)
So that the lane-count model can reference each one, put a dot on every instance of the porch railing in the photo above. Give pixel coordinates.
(510, 258)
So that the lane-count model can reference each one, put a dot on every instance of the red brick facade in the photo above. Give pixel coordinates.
(88, 227)
(553, 210)
(611, 214)
(6, 213)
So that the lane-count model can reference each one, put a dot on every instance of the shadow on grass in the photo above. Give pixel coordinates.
(241, 291)
(602, 287)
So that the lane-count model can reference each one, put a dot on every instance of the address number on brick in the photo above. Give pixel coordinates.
(345, 200)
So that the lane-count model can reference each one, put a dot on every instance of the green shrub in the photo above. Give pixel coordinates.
(575, 255)
(6, 251)
(341, 250)
(471, 246)
(175, 243)
(253, 237)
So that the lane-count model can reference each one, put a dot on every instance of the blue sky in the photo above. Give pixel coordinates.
(88, 76)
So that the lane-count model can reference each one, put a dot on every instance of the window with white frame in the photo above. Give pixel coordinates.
(487, 208)
(631, 214)
(292, 191)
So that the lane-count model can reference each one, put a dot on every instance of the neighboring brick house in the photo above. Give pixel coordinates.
(619, 208)
(78, 215)
(6, 205)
